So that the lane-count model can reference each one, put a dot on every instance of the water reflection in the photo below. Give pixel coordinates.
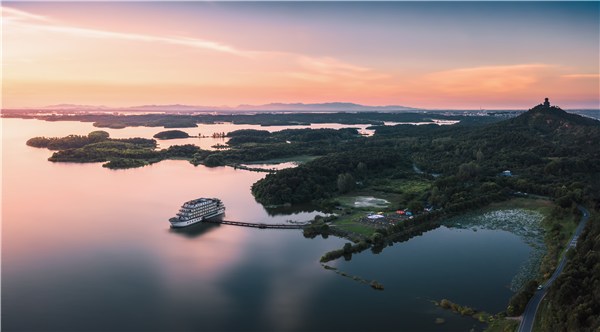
(195, 230)
(87, 248)
(292, 210)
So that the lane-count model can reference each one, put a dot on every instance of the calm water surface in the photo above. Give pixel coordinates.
(86, 248)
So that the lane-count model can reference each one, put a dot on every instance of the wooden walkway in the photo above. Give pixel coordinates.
(253, 225)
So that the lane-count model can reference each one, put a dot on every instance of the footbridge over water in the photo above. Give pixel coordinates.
(257, 225)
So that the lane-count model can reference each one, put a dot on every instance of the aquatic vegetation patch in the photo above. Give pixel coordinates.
(373, 283)
(526, 224)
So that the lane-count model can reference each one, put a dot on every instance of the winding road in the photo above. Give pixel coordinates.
(532, 307)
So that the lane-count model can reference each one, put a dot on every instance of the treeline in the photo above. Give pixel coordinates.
(518, 302)
(318, 179)
(250, 145)
(238, 137)
(68, 142)
(574, 299)
(127, 155)
(117, 121)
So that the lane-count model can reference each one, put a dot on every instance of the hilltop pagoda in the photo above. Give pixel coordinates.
(546, 102)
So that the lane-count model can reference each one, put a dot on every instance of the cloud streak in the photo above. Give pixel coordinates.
(300, 66)
(15, 15)
(215, 63)
(582, 76)
(493, 79)
(42, 23)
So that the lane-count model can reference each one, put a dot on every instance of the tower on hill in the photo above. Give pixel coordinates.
(546, 102)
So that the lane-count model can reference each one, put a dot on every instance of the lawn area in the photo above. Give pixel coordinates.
(384, 196)
(350, 223)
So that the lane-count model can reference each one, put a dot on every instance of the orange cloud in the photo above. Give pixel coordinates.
(61, 55)
(46, 61)
(491, 79)
(582, 76)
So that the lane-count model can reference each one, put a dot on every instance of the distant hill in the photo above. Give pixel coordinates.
(552, 118)
(272, 107)
(76, 107)
(172, 108)
(331, 107)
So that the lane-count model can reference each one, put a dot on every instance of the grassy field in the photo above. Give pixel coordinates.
(350, 223)
(393, 191)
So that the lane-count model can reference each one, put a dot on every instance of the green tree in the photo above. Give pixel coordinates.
(98, 135)
(361, 168)
(415, 206)
(214, 160)
(479, 156)
(345, 182)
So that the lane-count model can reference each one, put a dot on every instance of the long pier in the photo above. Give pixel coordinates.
(257, 225)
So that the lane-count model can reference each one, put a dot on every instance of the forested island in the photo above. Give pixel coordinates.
(431, 171)
(97, 146)
(171, 134)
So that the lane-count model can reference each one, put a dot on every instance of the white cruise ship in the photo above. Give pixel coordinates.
(197, 210)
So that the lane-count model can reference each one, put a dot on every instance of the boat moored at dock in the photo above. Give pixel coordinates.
(197, 210)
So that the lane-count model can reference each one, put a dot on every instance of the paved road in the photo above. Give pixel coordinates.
(534, 302)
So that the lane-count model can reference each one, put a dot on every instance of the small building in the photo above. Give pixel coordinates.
(506, 173)
(546, 102)
(400, 212)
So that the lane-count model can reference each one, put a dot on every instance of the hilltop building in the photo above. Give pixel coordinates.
(546, 102)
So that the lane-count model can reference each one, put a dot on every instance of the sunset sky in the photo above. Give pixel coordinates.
(419, 54)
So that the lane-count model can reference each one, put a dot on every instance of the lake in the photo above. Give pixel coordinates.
(88, 248)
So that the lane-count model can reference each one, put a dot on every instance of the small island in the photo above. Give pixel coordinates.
(171, 134)
(121, 153)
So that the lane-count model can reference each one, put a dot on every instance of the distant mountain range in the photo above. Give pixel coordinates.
(321, 107)
(272, 107)
(74, 107)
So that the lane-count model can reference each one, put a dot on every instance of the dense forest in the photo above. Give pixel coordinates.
(546, 150)
(116, 121)
(573, 303)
